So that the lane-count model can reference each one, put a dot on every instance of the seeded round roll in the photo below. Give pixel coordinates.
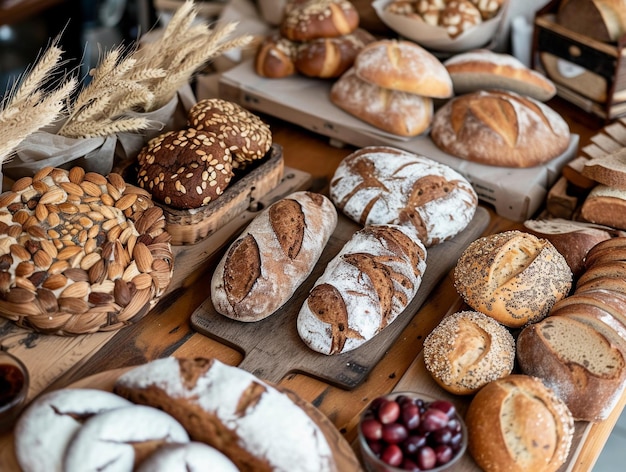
(467, 350)
(514, 277)
(246, 136)
(186, 168)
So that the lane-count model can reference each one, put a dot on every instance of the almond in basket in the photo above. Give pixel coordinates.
(80, 252)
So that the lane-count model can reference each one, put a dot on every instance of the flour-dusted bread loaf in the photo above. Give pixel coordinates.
(582, 362)
(381, 185)
(467, 350)
(500, 128)
(363, 289)
(513, 276)
(120, 438)
(256, 426)
(395, 112)
(482, 69)
(606, 206)
(188, 457)
(45, 429)
(517, 424)
(269, 260)
(404, 66)
(311, 19)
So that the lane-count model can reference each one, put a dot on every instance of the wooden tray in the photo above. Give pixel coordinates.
(344, 456)
(272, 347)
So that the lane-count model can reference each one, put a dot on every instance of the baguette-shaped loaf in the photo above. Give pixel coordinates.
(363, 289)
(514, 277)
(385, 185)
(256, 426)
(269, 260)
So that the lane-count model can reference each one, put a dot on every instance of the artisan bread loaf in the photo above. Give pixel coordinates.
(610, 250)
(467, 350)
(275, 57)
(584, 364)
(500, 128)
(606, 206)
(512, 276)
(123, 436)
(256, 426)
(517, 424)
(483, 69)
(269, 260)
(609, 170)
(404, 66)
(381, 185)
(189, 457)
(46, 428)
(363, 289)
(400, 113)
(330, 57)
(312, 19)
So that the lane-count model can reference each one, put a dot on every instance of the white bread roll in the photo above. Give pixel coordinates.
(512, 276)
(516, 424)
(363, 289)
(190, 457)
(269, 260)
(385, 185)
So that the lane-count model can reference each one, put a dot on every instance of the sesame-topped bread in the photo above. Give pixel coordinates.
(386, 185)
(306, 20)
(364, 288)
(251, 422)
(583, 362)
(500, 128)
(467, 350)
(513, 276)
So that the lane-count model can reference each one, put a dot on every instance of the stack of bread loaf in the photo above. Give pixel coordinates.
(391, 86)
(316, 38)
(404, 203)
(170, 415)
(455, 16)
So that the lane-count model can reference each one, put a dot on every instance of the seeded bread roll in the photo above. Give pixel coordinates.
(312, 19)
(248, 420)
(583, 362)
(513, 276)
(275, 57)
(403, 66)
(467, 350)
(185, 169)
(400, 113)
(500, 128)
(517, 424)
(242, 132)
(385, 185)
(269, 260)
(364, 288)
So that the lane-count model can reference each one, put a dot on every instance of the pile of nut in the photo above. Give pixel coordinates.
(80, 252)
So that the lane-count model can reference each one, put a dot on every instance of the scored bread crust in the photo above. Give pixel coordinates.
(512, 276)
(500, 128)
(516, 424)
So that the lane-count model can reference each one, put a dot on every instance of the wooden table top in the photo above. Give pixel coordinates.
(166, 330)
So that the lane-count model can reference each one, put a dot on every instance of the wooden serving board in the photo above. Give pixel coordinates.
(272, 347)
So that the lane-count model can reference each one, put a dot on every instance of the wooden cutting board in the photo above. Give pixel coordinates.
(272, 347)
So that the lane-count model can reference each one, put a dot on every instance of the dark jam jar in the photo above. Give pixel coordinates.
(13, 389)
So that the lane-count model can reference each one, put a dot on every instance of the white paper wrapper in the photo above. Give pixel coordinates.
(432, 37)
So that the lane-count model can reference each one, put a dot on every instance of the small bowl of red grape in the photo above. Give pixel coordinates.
(411, 431)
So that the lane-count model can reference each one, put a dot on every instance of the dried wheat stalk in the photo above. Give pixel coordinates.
(28, 108)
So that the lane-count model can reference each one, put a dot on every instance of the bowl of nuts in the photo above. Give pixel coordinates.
(411, 431)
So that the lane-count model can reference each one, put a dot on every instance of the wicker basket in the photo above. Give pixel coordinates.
(80, 252)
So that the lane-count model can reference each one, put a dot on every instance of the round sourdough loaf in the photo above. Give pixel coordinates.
(269, 260)
(189, 457)
(363, 289)
(500, 128)
(256, 426)
(386, 185)
(45, 429)
(517, 424)
(583, 362)
(512, 276)
(483, 69)
(404, 66)
(400, 113)
(305, 20)
(467, 350)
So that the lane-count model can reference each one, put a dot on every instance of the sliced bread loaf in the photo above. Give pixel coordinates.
(608, 170)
